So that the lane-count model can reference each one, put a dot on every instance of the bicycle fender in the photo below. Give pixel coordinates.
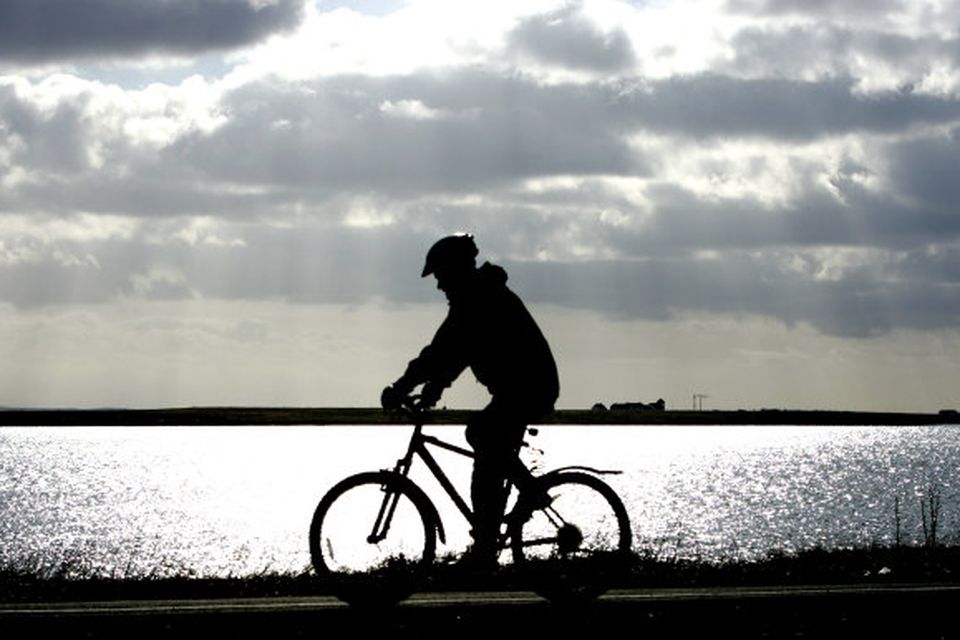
(420, 494)
(592, 470)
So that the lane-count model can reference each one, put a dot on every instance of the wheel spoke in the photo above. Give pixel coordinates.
(382, 562)
(539, 542)
(584, 524)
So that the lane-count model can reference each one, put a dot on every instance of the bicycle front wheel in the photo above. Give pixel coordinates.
(576, 541)
(372, 538)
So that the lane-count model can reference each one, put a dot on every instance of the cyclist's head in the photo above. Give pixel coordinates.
(456, 253)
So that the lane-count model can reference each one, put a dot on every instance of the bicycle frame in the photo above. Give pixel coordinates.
(520, 477)
(418, 447)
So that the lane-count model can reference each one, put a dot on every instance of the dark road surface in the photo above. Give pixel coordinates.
(895, 611)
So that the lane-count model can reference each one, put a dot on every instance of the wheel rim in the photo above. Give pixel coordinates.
(344, 537)
(575, 547)
(579, 522)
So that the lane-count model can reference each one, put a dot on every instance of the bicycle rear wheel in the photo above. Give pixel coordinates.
(372, 537)
(578, 544)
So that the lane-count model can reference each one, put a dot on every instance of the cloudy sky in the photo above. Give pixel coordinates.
(228, 201)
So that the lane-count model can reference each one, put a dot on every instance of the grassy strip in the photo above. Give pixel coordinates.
(876, 565)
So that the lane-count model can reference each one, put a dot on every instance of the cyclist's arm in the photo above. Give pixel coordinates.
(439, 363)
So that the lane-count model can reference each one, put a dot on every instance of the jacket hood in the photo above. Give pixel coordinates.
(491, 275)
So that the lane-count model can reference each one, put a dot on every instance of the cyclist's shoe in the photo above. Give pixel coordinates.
(478, 561)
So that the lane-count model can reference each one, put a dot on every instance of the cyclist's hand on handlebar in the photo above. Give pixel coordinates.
(430, 395)
(391, 399)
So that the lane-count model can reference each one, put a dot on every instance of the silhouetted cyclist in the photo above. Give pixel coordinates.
(488, 329)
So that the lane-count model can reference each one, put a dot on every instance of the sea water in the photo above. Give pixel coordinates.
(236, 501)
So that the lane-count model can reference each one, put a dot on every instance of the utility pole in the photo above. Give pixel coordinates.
(698, 401)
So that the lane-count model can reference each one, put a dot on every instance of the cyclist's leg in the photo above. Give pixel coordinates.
(495, 434)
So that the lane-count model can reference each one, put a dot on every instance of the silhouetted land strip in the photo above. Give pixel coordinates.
(373, 416)
(879, 592)
(875, 565)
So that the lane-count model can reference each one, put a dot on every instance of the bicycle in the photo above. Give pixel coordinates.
(373, 536)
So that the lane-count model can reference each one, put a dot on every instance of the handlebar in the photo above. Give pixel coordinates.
(411, 407)
(412, 404)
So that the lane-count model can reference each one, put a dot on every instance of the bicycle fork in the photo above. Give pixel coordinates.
(391, 498)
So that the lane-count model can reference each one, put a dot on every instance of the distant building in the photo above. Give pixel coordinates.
(598, 407)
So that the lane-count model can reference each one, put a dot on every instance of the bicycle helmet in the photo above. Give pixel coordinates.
(452, 251)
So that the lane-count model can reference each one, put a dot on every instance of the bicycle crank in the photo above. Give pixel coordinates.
(569, 539)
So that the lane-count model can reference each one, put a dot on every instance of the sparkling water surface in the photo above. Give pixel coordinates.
(218, 501)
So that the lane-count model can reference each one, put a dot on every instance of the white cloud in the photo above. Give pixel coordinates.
(81, 228)
(202, 231)
(413, 109)
(160, 283)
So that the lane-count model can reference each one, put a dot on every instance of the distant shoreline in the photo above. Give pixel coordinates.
(253, 416)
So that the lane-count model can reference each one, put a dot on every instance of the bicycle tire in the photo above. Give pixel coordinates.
(575, 547)
(357, 570)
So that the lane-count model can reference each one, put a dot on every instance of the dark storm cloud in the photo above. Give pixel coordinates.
(856, 306)
(148, 195)
(852, 216)
(818, 8)
(791, 50)
(411, 135)
(323, 265)
(54, 141)
(41, 31)
(347, 266)
(485, 131)
(329, 265)
(925, 266)
(925, 170)
(352, 134)
(567, 38)
(795, 50)
(55, 147)
(718, 106)
(37, 285)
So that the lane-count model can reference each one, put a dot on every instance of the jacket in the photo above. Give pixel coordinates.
(489, 330)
